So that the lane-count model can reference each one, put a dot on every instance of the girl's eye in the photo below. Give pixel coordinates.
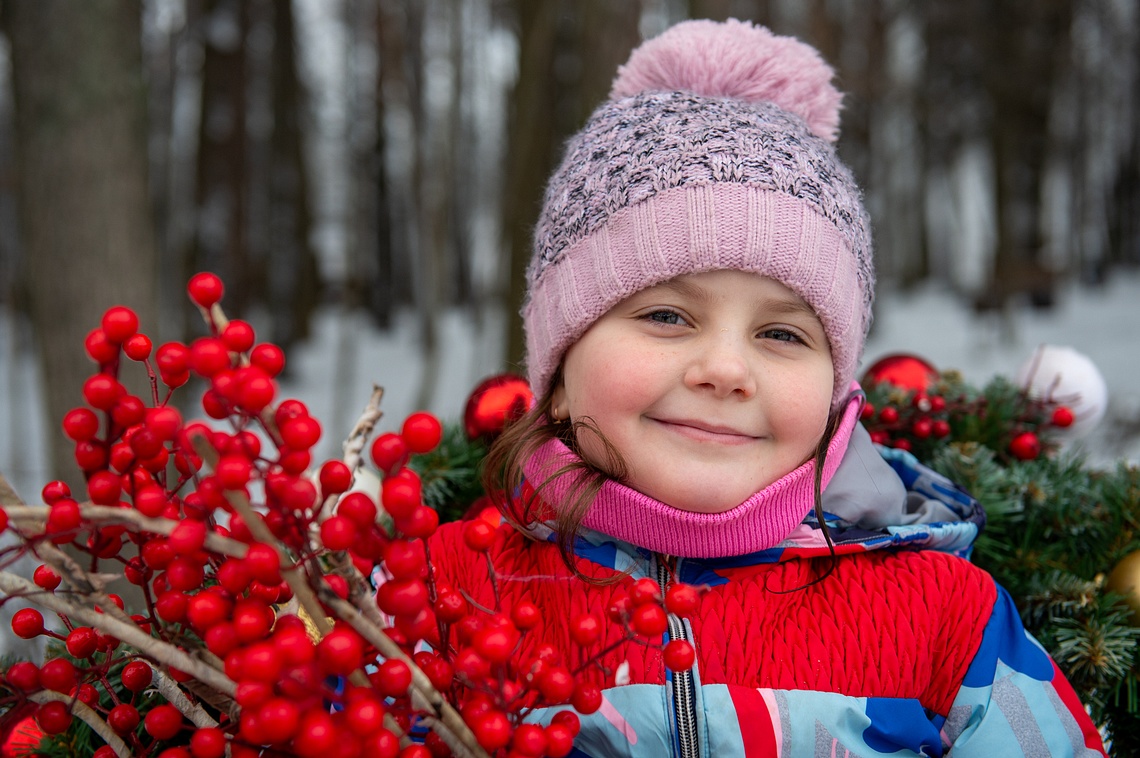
(781, 335)
(671, 318)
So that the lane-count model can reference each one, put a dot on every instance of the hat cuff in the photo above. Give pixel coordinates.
(693, 229)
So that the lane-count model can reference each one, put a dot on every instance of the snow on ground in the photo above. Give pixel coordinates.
(334, 371)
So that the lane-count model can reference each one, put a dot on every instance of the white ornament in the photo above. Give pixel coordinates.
(1064, 376)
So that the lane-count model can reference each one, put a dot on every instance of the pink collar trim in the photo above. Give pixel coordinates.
(760, 522)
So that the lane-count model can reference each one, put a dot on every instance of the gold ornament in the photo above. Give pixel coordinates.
(1125, 580)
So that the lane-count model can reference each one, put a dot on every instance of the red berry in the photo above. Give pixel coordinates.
(359, 508)
(208, 356)
(44, 576)
(338, 533)
(587, 699)
(529, 739)
(137, 675)
(277, 720)
(205, 289)
(941, 428)
(400, 496)
(102, 392)
(526, 615)
(556, 684)
(300, 433)
(80, 424)
(644, 590)
(437, 670)
(889, 414)
(316, 736)
(208, 742)
(119, 323)
(1025, 446)
(58, 674)
(53, 717)
(402, 597)
(585, 629)
(123, 718)
(28, 623)
(53, 491)
(420, 523)
(263, 563)
(682, 599)
(559, 740)
(163, 722)
(82, 642)
(1063, 416)
(450, 606)
(335, 478)
(340, 652)
(422, 432)
(496, 643)
(922, 427)
(99, 348)
(138, 347)
(479, 535)
(172, 358)
(238, 336)
(867, 412)
(104, 488)
(405, 559)
(649, 620)
(679, 655)
(389, 452)
(23, 676)
(492, 730)
(269, 358)
(392, 678)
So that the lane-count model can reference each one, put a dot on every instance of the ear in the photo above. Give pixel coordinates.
(559, 410)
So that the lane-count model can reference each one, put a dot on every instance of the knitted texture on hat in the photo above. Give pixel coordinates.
(708, 156)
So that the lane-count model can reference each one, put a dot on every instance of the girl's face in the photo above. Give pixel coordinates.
(711, 387)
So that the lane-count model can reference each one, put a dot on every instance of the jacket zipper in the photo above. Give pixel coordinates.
(684, 705)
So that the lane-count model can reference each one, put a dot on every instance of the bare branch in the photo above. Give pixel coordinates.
(170, 690)
(128, 517)
(149, 646)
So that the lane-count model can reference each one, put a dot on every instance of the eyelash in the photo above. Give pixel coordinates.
(787, 335)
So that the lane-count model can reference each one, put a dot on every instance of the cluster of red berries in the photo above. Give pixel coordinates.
(245, 535)
(912, 421)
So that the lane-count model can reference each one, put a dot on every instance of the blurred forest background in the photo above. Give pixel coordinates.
(389, 156)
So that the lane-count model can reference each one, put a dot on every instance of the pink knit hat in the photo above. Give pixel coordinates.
(714, 151)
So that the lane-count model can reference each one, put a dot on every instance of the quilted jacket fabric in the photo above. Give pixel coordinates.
(897, 647)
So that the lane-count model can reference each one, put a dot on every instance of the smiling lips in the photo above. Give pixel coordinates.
(702, 431)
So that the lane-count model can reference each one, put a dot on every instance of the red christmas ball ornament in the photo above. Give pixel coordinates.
(906, 371)
(1025, 446)
(496, 402)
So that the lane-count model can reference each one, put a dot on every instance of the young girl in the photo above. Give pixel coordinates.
(698, 300)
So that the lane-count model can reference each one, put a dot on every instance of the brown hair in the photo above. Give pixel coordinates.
(503, 470)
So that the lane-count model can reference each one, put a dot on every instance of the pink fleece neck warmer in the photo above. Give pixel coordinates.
(760, 522)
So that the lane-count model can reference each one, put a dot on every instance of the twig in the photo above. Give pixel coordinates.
(443, 718)
(16, 586)
(88, 716)
(128, 517)
(170, 690)
(8, 494)
(362, 430)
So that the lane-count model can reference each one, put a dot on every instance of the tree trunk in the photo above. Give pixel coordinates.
(85, 213)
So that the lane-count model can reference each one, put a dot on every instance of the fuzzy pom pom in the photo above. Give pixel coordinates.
(738, 60)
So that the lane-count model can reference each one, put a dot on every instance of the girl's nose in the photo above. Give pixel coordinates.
(722, 366)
